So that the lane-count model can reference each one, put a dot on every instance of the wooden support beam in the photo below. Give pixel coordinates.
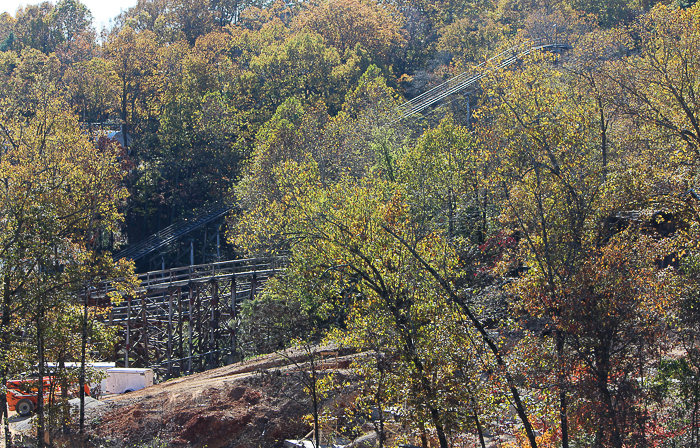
(234, 317)
(204, 246)
(144, 316)
(198, 327)
(170, 333)
(193, 295)
(214, 303)
(179, 329)
(128, 330)
(253, 285)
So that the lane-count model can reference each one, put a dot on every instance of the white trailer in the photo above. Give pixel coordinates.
(121, 380)
(96, 389)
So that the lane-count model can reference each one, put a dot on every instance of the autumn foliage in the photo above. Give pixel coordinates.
(519, 264)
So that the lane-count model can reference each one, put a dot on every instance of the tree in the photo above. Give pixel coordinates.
(184, 19)
(565, 173)
(202, 131)
(58, 195)
(469, 39)
(7, 35)
(289, 135)
(344, 24)
(45, 27)
(33, 28)
(72, 19)
(227, 12)
(358, 138)
(609, 14)
(548, 182)
(301, 66)
(658, 85)
(354, 240)
(93, 89)
(134, 60)
(328, 242)
(444, 178)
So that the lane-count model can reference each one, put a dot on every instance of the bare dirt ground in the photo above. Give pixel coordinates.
(257, 403)
(254, 404)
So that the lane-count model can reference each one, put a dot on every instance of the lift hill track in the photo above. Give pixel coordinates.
(154, 250)
(467, 80)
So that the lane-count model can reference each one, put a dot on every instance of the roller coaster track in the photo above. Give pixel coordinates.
(172, 233)
(466, 80)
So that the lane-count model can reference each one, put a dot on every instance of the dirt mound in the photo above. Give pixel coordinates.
(252, 404)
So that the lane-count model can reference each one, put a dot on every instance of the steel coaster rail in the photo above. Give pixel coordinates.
(172, 233)
(425, 96)
(465, 80)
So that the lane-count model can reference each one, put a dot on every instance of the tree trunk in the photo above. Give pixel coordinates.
(423, 436)
(40, 430)
(427, 389)
(83, 347)
(608, 420)
(442, 438)
(5, 332)
(379, 425)
(562, 392)
(479, 429)
(65, 407)
(314, 398)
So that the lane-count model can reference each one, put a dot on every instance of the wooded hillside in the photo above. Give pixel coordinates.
(527, 247)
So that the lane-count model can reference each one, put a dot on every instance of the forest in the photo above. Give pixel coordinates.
(522, 258)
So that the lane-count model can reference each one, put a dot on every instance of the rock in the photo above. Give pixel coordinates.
(368, 440)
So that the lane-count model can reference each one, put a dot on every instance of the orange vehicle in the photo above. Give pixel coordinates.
(22, 395)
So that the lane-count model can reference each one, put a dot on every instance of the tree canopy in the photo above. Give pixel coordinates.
(519, 260)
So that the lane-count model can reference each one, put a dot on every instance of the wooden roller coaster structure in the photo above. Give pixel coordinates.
(185, 319)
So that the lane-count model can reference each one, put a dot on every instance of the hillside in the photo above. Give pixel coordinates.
(520, 256)
(259, 402)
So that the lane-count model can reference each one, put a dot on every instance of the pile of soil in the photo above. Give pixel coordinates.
(257, 403)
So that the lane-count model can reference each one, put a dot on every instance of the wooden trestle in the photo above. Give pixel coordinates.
(184, 319)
